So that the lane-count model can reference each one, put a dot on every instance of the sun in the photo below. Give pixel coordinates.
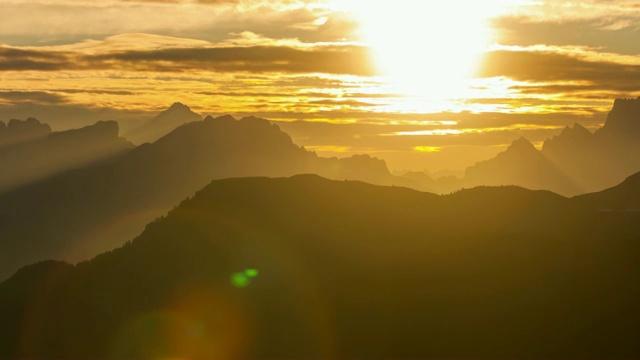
(427, 48)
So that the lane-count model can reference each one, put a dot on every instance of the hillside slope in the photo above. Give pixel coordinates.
(308, 267)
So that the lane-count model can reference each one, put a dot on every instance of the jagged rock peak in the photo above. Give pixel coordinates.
(253, 119)
(624, 118)
(14, 123)
(366, 161)
(21, 130)
(223, 118)
(103, 129)
(176, 110)
(521, 144)
(575, 130)
(177, 106)
(620, 104)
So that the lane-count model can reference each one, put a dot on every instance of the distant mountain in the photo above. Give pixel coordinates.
(160, 125)
(443, 184)
(306, 267)
(18, 131)
(574, 162)
(605, 158)
(523, 165)
(83, 212)
(623, 122)
(37, 153)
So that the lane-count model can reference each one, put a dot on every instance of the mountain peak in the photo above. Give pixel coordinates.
(19, 131)
(178, 106)
(163, 123)
(623, 120)
(521, 144)
(254, 120)
(30, 122)
(100, 130)
(579, 127)
(575, 131)
(223, 119)
(176, 109)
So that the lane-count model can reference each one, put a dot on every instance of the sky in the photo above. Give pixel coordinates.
(423, 84)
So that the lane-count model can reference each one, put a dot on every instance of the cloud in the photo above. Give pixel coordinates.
(38, 97)
(545, 67)
(19, 59)
(352, 60)
(618, 35)
(72, 21)
(567, 10)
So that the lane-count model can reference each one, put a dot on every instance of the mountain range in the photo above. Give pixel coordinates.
(264, 262)
(574, 162)
(29, 151)
(309, 267)
(160, 125)
(67, 173)
(84, 211)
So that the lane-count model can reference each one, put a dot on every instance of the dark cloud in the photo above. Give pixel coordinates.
(39, 97)
(553, 67)
(520, 30)
(351, 60)
(18, 59)
(603, 90)
(96, 92)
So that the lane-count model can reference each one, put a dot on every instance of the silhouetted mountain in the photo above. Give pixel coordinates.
(311, 268)
(17, 131)
(162, 124)
(50, 153)
(600, 160)
(439, 185)
(573, 162)
(87, 211)
(623, 122)
(523, 165)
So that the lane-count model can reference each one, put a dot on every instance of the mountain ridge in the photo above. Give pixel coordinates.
(359, 270)
(163, 123)
(145, 182)
(51, 153)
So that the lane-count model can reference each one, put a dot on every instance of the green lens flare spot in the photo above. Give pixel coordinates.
(243, 279)
(251, 273)
(239, 280)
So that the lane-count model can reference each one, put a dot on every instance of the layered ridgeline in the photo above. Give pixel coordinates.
(523, 165)
(29, 151)
(82, 212)
(308, 267)
(160, 125)
(17, 131)
(596, 161)
(574, 162)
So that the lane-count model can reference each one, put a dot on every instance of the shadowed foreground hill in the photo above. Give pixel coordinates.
(308, 267)
(83, 212)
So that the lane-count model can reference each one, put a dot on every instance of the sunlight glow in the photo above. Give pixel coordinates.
(443, 132)
(427, 149)
(428, 48)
